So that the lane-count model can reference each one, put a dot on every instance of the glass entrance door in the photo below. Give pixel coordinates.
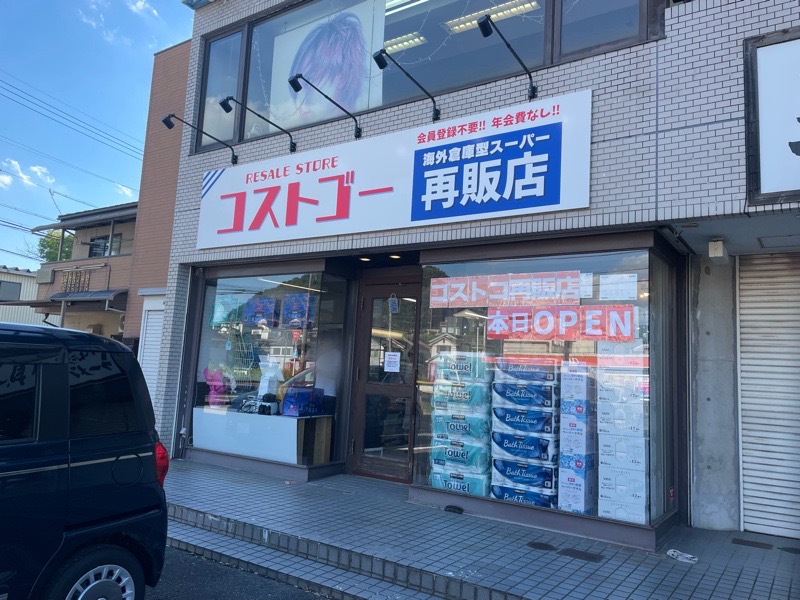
(383, 415)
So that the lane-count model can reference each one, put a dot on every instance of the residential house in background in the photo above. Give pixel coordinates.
(18, 285)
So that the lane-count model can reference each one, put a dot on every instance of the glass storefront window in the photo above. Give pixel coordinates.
(221, 81)
(538, 386)
(268, 366)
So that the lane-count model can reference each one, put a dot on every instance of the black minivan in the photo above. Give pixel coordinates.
(82, 506)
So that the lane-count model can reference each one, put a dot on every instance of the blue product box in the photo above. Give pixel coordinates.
(516, 371)
(577, 484)
(448, 425)
(523, 496)
(302, 402)
(518, 420)
(463, 456)
(526, 475)
(531, 395)
(453, 396)
(517, 446)
(463, 366)
(466, 483)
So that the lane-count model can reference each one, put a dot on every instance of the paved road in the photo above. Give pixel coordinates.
(189, 576)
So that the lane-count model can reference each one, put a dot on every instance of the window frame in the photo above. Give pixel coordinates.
(10, 284)
(651, 28)
(37, 400)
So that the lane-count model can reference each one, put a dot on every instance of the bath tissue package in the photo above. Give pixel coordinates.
(518, 446)
(516, 371)
(522, 496)
(516, 420)
(524, 475)
(530, 395)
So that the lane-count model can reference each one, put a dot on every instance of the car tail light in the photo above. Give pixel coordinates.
(162, 463)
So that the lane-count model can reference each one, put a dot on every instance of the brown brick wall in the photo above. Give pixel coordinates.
(159, 182)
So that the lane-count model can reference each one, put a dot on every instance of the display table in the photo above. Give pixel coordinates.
(293, 440)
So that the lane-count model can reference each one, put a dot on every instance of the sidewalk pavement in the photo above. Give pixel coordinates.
(349, 537)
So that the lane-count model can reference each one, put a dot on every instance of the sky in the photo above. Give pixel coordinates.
(74, 91)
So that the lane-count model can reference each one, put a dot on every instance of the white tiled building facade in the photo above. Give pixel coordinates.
(667, 149)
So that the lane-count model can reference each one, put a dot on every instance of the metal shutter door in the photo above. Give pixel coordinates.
(150, 347)
(769, 371)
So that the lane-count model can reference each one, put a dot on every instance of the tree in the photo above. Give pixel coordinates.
(47, 248)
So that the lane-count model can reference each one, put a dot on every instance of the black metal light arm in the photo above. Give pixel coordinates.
(380, 59)
(225, 103)
(167, 120)
(295, 83)
(485, 24)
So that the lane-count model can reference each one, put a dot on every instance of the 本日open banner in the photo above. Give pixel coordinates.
(525, 159)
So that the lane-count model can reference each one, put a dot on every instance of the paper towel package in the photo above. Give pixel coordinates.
(577, 484)
(622, 511)
(517, 420)
(466, 483)
(579, 408)
(448, 425)
(578, 386)
(622, 451)
(523, 496)
(531, 395)
(623, 485)
(517, 446)
(524, 475)
(457, 397)
(621, 419)
(519, 371)
(464, 366)
(462, 456)
(577, 434)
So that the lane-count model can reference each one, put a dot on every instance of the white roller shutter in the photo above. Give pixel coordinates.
(769, 371)
(150, 346)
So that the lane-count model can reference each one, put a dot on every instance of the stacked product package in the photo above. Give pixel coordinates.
(525, 446)
(622, 404)
(577, 478)
(461, 423)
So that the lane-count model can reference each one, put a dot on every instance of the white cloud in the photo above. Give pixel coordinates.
(96, 19)
(43, 174)
(5, 180)
(13, 165)
(124, 191)
(141, 7)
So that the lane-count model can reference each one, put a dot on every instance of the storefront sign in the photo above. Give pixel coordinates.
(563, 323)
(525, 159)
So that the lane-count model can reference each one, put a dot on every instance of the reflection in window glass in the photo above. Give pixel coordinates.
(437, 41)
(588, 23)
(221, 81)
(537, 390)
(17, 401)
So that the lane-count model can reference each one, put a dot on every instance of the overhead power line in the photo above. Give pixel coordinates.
(48, 189)
(20, 227)
(63, 162)
(72, 107)
(83, 133)
(27, 212)
(20, 254)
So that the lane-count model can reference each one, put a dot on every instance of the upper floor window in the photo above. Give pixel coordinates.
(437, 41)
(10, 291)
(98, 246)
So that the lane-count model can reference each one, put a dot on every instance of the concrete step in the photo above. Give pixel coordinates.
(403, 575)
(303, 573)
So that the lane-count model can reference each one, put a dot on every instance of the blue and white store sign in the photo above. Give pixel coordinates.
(525, 159)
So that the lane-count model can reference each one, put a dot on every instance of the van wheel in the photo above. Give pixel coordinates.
(98, 573)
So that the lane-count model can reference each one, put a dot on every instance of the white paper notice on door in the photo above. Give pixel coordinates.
(391, 362)
(618, 286)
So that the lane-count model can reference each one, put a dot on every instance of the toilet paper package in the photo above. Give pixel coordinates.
(622, 511)
(462, 456)
(621, 418)
(530, 395)
(522, 496)
(518, 420)
(524, 475)
(622, 452)
(577, 484)
(466, 483)
(523, 372)
(456, 397)
(623, 485)
(518, 446)
(577, 434)
(456, 426)
(464, 367)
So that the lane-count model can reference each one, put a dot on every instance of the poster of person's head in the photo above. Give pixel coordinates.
(774, 91)
(335, 54)
(298, 311)
(260, 311)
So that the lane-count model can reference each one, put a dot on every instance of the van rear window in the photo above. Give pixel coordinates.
(101, 399)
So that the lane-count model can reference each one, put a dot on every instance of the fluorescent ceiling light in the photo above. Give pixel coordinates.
(404, 42)
(395, 6)
(498, 13)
